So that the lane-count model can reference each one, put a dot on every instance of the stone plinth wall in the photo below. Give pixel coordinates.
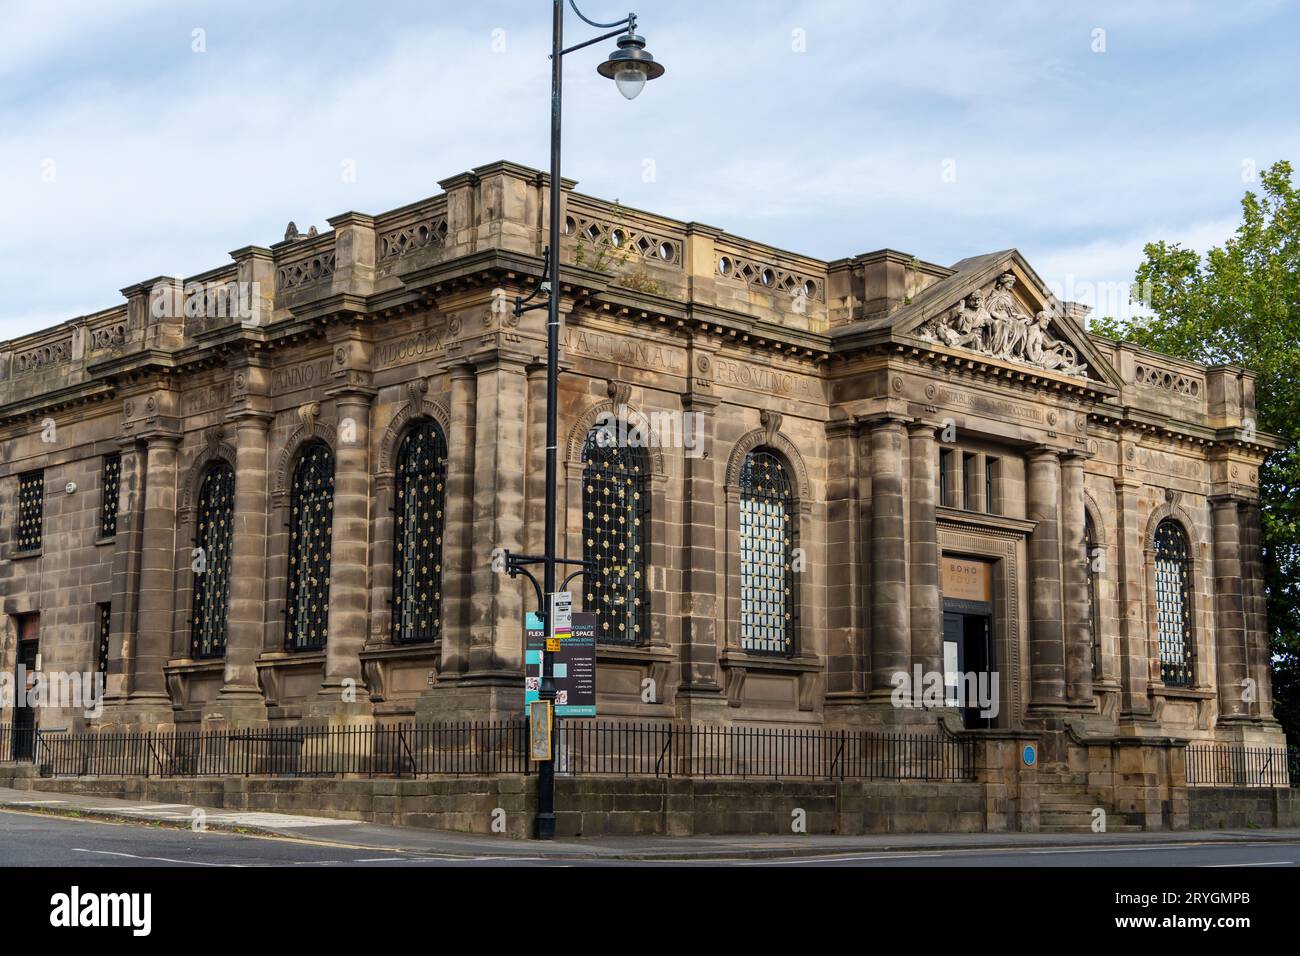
(1217, 808)
(589, 806)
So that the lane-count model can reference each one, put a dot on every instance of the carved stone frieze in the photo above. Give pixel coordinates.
(991, 321)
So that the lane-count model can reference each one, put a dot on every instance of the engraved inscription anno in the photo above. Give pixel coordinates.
(303, 375)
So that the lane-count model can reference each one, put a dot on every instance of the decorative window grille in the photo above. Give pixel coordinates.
(211, 562)
(615, 521)
(767, 541)
(112, 474)
(31, 511)
(417, 534)
(105, 631)
(311, 526)
(1089, 546)
(1174, 604)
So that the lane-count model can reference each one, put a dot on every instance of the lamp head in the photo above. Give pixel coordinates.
(630, 66)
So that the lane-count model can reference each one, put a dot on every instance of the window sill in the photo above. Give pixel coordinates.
(100, 542)
(24, 555)
(798, 664)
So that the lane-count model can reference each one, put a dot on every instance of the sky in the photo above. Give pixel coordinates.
(141, 138)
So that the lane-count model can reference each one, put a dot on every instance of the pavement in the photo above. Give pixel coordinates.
(442, 846)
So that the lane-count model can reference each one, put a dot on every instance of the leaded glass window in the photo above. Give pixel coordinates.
(31, 511)
(105, 631)
(311, 525)
(112, 474)
(615, 519)
(1091, 568)
(1174, 603)
(417, 534)
(767, 542)
(211, 561)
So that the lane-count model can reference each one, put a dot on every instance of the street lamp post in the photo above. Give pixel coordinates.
(629, 66)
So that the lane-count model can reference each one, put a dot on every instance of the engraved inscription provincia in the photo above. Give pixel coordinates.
(764, 379)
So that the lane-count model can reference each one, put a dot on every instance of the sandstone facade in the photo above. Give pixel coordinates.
(933, 420)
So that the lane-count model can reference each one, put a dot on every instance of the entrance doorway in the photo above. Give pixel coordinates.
(969, 655)
(24, 725)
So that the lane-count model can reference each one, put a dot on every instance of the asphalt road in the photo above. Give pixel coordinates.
(34, 839)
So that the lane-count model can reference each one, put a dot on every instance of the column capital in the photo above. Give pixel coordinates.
(354, 391)
(918, 428)
(1075, 456)
(1227, 498)
(881, 420)
(251, 416)
(1039, 452)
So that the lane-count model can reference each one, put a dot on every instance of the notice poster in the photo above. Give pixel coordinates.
(574, 664)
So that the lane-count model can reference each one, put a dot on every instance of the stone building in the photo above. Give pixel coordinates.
(245, 493)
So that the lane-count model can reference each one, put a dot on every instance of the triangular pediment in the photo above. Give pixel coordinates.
(997, 307)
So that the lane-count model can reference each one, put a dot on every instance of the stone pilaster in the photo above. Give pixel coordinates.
(923, 588)
(700, 678)
(1134, 654)
(124, 624)
(349, 547)
(844, 655)
(148, 698)
(458, 535)
(240, 699)
(1046, 632)
(1229, 618)
(890, 641)
(1252, 577)
(1075, 584)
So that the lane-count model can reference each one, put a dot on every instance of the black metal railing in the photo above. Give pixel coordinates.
(586, 747)
(1225, 765)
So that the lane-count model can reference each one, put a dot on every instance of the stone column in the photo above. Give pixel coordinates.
(1075, 571)
(924, 590)
(458, 536)
(148, 696)
(240, 698)
(349, 544)
(890, 642)
(1229, 618)
(1252, 577)
(1046, 634)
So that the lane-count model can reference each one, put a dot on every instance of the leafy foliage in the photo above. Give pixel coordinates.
(1240, 304)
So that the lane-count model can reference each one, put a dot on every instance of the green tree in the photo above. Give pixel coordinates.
(1240, 304)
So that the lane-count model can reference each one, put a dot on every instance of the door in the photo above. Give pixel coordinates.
(968, 664)
(24, 725)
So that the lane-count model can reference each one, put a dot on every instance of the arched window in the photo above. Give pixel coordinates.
(417, 534)
(767, 541)
(1092, 567)
(311, 524)
(1174, 604)
(615, 518)
(211, 561)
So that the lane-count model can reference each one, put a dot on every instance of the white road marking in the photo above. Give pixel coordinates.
(1218, 866)
(156, 859)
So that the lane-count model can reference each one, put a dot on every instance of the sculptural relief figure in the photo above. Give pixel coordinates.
(1001, 328)
(1010, 325)
(964, 327)
(1043, 350)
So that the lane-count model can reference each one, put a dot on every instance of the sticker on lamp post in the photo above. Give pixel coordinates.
(1030, 755)
(539, 730)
